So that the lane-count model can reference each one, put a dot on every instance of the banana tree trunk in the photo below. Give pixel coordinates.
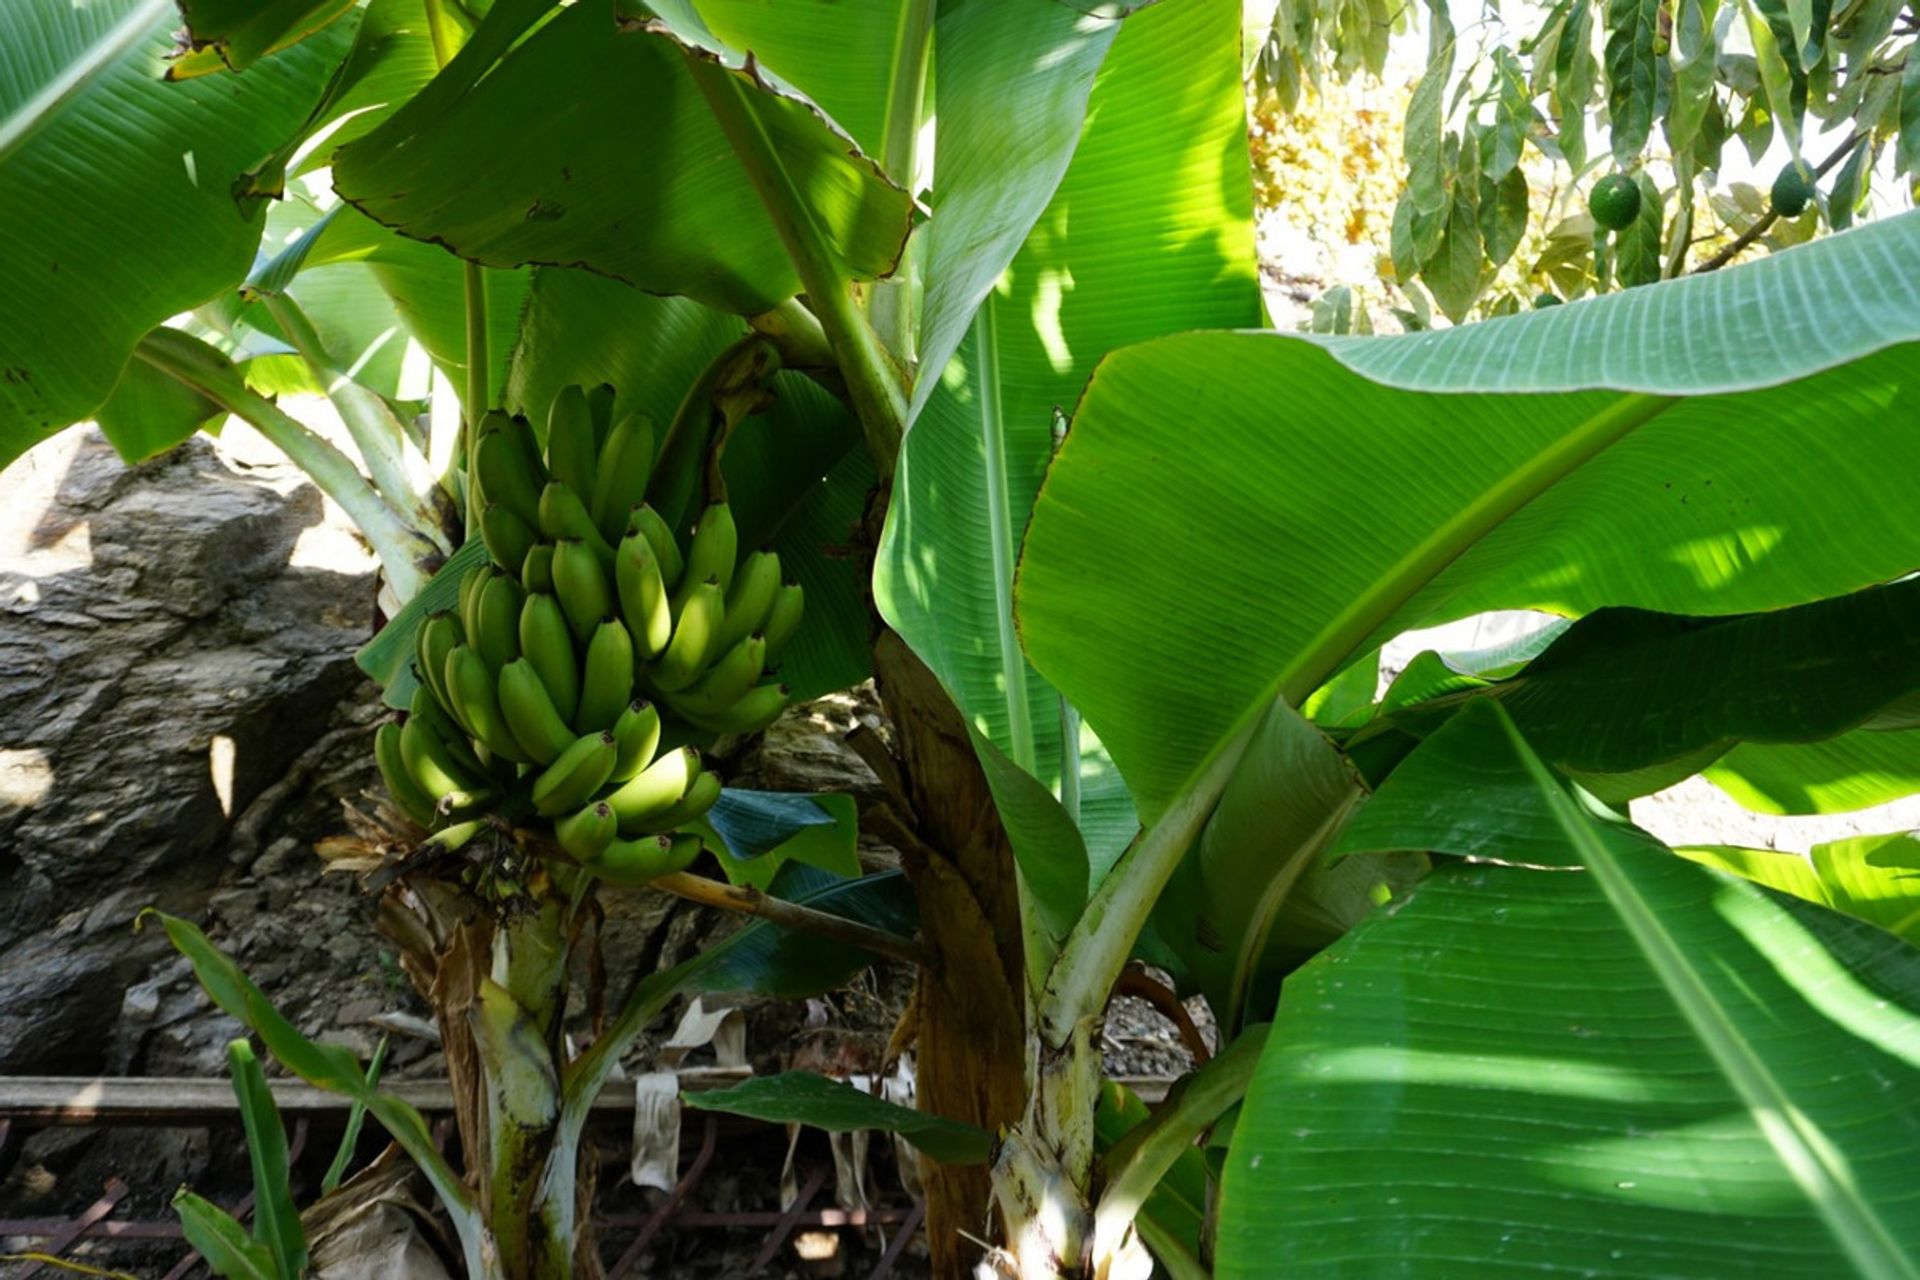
(971, 1023)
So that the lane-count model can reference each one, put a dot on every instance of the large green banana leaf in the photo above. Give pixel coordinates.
(1623, 690)
(1238, 515)
(94, 141)
(1853, 771)
(590, 144)
(241, 32)
(1636, 1068)
(1875, 878)
(1150, 231)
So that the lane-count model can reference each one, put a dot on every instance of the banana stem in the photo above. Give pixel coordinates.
(403, 552)
(873, 383)
(396, 467)
(893, 303)
(748, 900)
(474, 401)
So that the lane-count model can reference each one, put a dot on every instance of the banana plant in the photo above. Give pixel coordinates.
(1122, 566)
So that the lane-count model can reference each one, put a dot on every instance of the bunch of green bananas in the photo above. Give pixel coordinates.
(589, 638)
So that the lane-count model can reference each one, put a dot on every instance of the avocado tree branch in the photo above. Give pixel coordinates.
(1766, 220)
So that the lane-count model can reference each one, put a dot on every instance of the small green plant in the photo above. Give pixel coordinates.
(277, 1247)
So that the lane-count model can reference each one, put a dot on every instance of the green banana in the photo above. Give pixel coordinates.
(530, 713)
(454, 838)
(760, 707)
(655, 789)
(715, 545)
(692, 643)
(726, 681)
(536, 574)
(563, 515)
(643, 595)
(783, 619)
(749, 599)
(647, 522)
(411, 798)
(496, 638)
(638, 733)
(606, 681)
(575, 774)
(620, 480)
(600, 400)
(547, 642)
(509, 475)
(586, 833)
(571, 447)
(470, 585)
(436, 639)
(507, 536)
(433, 767)
(701, 794)
(581, 585)
(438, 716)
(471, 686)
(631, 864)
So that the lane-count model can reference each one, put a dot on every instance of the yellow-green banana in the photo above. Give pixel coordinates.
(620, 480)
(606, 682)
(600, 400)
(638, 733)
(692, 643)
(438, 635)
(507, 536)
(760, 707)
(575, 774)
(749, 599)
(509, 477)
(536, 573)
(411, 798)
(432, 766)
(438, 717)
(564, 515)
(470, 586)
(643, 595)
(571, 447)
(726, 681)
(701, 794)
(586, 833)
(647, 522)
(655, 789)
(783, 619)
(581, 585)
(631, 864)
(454, 838)
(496, 637)
(470, 685)
(547, 642)
(715, 545)
(530, 713)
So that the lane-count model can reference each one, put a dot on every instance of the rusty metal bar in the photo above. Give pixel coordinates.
(898, 1245)
(74, 1230)
(789, 1220)
(674, 1199)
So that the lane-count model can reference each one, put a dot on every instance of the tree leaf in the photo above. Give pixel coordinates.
(1305, 430)
(762, 831)
(1632, 74)
(92, 142)
(484, 166)
(1157, 178)
(801, 1097)
(149, 413)
(1906, 155)
(1678, 1118)
(1872, 878)
(221, 1240)
(1456, 271)
(1776, 78)
(276, 1220)
(1637, 250)
(1421, 142)
(1503, 215)
(1575, 72)
(1625, 689)
(1010, 95)
(1853, 771)
(241, 32)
